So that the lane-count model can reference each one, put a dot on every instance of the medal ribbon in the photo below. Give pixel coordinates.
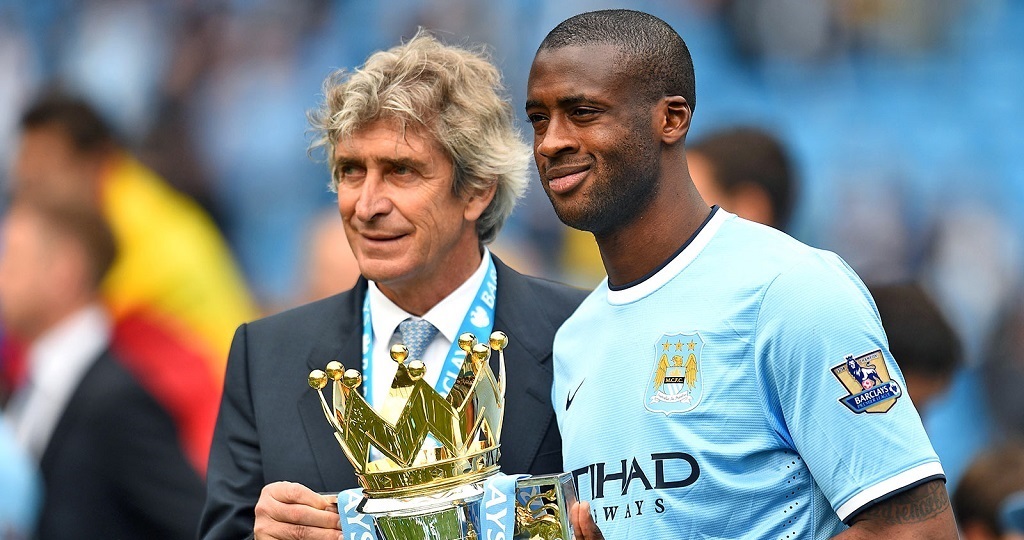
(479, 321)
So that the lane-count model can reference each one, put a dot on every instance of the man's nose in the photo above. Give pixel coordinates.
(374, 198)
(558, 137)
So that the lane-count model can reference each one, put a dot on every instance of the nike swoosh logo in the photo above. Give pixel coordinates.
(572, 396)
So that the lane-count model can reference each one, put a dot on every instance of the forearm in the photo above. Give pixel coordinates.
(921, 513)
(235, 472)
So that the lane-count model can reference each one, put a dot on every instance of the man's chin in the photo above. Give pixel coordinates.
(575, 216)
(383, 271)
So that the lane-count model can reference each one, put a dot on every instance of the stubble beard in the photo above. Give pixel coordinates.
(619, 198)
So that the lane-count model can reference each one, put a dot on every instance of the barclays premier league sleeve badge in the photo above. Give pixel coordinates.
(867, 380)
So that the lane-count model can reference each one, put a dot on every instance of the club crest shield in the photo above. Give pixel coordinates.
(676, 384)
(867, 380)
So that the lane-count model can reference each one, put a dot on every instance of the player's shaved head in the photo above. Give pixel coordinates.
(653, 54)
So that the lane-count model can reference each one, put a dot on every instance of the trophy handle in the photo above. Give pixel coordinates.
(542, 507)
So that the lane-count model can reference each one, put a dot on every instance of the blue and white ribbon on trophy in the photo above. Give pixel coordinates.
(497, 511)
(498, 508)
(355, 525)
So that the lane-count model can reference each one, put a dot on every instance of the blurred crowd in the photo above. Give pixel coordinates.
(882, 130)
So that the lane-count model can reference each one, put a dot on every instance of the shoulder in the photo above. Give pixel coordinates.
(107, 379)
(109, 390)
(557, 300)
(746, 253)
(310, 319)
(774, 250)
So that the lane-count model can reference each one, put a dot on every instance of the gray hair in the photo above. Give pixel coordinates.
(456, 95)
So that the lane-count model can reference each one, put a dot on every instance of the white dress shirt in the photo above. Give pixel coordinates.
(446, 316)
(57, 361)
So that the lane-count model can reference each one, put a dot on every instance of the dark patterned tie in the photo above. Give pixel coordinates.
(416, 334)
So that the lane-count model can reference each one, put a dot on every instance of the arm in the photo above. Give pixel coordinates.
(140, 458)
(920, 513)
(235, 471)
(816, 319)
(238, 504)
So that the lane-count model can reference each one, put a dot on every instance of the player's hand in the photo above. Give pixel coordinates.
(583, 525)
(288, 511)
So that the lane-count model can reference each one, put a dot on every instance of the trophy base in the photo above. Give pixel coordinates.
(450, 516)
(542, 512)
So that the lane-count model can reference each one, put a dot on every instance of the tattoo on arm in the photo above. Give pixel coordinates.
(919, 504)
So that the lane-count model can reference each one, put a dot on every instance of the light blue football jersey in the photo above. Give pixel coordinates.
(744, 390)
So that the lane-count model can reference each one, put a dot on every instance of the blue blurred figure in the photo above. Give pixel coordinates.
(20, 496)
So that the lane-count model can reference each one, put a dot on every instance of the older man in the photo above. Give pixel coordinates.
(427, 166)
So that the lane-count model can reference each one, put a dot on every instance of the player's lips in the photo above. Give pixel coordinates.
(565, 178)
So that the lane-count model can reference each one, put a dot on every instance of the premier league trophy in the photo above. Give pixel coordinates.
(437, 477)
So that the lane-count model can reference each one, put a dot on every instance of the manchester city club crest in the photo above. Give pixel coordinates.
(867, 380)
(676, 383)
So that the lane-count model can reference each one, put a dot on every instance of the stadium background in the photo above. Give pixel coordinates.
(903, 118)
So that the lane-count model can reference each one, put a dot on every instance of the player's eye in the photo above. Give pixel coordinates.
(583, 112)
(535, 118)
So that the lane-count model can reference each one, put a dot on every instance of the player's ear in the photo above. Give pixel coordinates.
(674, 115)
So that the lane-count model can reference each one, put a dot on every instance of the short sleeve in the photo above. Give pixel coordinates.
(831, 383)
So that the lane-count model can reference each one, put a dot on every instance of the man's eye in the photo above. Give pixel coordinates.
(402, 170)
(535, 118)
(583, 112)
(348, 173)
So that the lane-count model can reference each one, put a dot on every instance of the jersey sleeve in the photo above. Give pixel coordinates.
(833, 388)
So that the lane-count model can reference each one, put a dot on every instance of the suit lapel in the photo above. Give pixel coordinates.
(528, 370)
(529, 374)
(341, 340)
(73, 413)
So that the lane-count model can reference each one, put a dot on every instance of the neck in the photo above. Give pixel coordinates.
(417, 296)
(55, 317)
(635, 249)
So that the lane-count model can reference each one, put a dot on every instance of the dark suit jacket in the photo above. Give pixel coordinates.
(271, 426)
(114, 468)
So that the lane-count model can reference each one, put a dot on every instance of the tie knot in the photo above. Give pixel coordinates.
(416, 334)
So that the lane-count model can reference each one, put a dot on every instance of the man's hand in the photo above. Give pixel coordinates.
(292, 511)
(583, 525)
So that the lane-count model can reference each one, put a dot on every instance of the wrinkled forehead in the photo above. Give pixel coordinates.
(388, 135)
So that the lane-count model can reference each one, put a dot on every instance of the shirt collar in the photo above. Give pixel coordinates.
(68, 350)
(70, 347)
(446, 315)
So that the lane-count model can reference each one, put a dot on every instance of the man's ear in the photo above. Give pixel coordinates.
(673, 114)
(477, 200)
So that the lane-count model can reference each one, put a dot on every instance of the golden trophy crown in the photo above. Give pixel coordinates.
(430, 443)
